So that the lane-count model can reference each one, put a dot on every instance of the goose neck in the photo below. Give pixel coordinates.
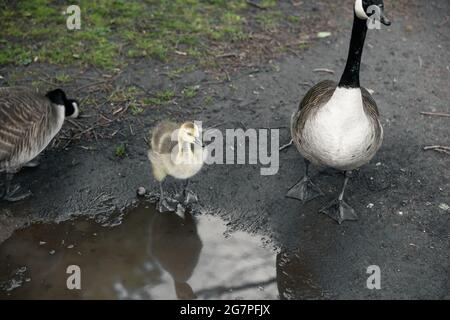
(350, 76)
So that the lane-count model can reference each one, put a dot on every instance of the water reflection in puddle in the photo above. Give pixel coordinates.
(148, 256)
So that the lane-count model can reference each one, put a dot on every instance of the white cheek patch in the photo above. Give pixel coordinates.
(76, 110)
(359, 10)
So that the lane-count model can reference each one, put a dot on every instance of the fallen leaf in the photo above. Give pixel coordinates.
(323, 34)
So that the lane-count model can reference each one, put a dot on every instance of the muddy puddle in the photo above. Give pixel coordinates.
(147, 256)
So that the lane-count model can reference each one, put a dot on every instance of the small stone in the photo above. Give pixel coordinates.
(52, 252)
(400, 213)
(141, 191)
(444, 207)
(370, 205)
(41, 243)
(378, 164)
(70, 246)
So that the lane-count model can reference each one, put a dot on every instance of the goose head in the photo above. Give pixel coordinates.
(58, 96)
(365, 7)
(190, 133)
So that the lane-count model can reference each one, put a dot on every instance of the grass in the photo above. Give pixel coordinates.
(160, 98)
(176, 72)
(113, 30)
(63, 78)
(270, 20)
(135, 109)
(208, 100)
(190, 92)
(120, 151)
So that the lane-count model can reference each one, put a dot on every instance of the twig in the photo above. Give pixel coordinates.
(92, 85)
(323, 70)
(227, 55)
(256, 5)
(437, 114)
(436, 147)
(49, 82)
(442, 149)
(287, 145)
(293, 52)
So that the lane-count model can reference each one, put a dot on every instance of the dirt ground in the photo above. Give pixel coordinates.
(402, 195)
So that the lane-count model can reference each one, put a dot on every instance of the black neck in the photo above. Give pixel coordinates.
(350, 77)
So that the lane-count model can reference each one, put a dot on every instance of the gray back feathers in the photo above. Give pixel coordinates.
(161, 137)
(28, 122)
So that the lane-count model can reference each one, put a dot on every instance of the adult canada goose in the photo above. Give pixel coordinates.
(337, 125)
(28, 122)
(175, 151)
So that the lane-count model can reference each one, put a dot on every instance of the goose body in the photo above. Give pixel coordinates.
(28, 123)
(340, 129)
(337, 124)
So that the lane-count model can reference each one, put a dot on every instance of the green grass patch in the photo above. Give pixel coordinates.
(160, 98)
(121, 151)
(114, 30)
(190, 92)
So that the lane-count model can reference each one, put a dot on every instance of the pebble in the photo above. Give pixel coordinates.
(141, 191)
(444, 207)
(370, 205)
(52, 252)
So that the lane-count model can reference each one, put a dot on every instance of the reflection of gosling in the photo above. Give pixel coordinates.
(175, 151)
(176, 245)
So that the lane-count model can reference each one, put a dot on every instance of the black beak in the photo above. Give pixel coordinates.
(384, 20)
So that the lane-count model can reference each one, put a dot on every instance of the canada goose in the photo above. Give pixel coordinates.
(337, 125)
(175, 151)
(28, 122)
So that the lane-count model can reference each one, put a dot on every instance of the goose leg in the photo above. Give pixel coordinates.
(189, 196)
(338, 209)
(185, 188)
(12, 193)
(304, 190)
(162, 204)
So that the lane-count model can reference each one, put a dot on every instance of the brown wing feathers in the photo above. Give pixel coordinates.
(24, 115)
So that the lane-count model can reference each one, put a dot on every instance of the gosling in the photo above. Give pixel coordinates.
(175, 151)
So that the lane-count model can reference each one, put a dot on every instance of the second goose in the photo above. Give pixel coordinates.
(337, 124)
(28, 122)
